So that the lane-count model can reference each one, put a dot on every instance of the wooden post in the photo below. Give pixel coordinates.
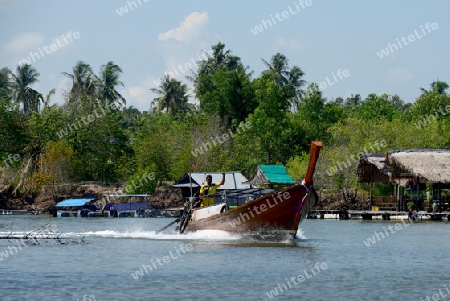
(439, 196)
(371, 187)
(418, 191)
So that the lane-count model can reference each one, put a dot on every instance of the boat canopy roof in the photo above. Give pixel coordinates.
(233, 180)
(271, 174)
(245, 193)
(74, 202)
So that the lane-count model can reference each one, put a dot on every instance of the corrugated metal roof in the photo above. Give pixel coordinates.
(73, 202)
(275, 174)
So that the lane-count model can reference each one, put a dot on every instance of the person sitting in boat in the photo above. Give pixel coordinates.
(209, 188)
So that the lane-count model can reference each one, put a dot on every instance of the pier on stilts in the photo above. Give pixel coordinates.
(376, 215)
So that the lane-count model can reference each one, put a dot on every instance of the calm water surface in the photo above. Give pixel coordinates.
(124, 259)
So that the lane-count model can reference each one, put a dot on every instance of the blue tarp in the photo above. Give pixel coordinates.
(73, 202)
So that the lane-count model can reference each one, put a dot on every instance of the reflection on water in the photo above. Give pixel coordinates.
(220, 265)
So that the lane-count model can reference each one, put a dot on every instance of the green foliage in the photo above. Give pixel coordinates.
(289, 79)
(315, 116)
(375, 108)
(22, 93)
(239, 122)
(143, 181)
(156, 144)
(297, 166)
(232, 96)
(428, 107)
(269, 120)
(223, 87)
(173, 96)
(104, 153)
(14, 135)
(56, 165)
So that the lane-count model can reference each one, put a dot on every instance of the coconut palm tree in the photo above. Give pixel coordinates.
(278, 68)
(295, 82)
(221, 59)
(173, 96)
(107, 83)
(23, 94)
(437, 86)
(5, 84)
(83, 84)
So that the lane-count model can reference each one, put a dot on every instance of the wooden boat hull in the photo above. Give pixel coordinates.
(279, 212)
(276, 213)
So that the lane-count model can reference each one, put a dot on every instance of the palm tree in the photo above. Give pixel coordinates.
(219, 59)
(5, 84)
(437, 86)
(278, 68)
(173, 96)
(82, 82)
(107, 83)
(353, 101)
(295, 82)
(398, 103)
(22, 92)
(129, 117)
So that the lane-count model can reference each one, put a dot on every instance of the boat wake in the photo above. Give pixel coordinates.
(199, 235)
(202, 235)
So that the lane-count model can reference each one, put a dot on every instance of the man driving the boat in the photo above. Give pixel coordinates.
(209, 188)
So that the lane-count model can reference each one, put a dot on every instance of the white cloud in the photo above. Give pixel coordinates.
(289, 43)
(62, 89)
(140, 96)
(24, 41)
(398, 75)
(189, 29)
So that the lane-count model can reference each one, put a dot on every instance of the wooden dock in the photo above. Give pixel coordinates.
(375, 215)
(18, 212)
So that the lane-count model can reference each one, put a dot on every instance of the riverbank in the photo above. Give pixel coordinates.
(49, 196)
(164, 197)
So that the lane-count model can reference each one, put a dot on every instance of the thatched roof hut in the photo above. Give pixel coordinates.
(412, 169)
(431, 165)
(372, 168)
(400, 166)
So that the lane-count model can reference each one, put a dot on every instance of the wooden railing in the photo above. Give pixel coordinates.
(385, 202)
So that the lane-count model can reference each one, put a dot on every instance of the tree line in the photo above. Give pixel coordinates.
(95, 136)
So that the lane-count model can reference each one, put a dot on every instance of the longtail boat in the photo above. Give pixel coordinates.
(279, 212)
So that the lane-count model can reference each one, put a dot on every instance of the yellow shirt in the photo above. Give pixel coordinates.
(208, 190)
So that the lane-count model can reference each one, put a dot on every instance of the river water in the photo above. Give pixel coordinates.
(123, 259)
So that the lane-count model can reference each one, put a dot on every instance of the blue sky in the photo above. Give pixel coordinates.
(154, 37)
